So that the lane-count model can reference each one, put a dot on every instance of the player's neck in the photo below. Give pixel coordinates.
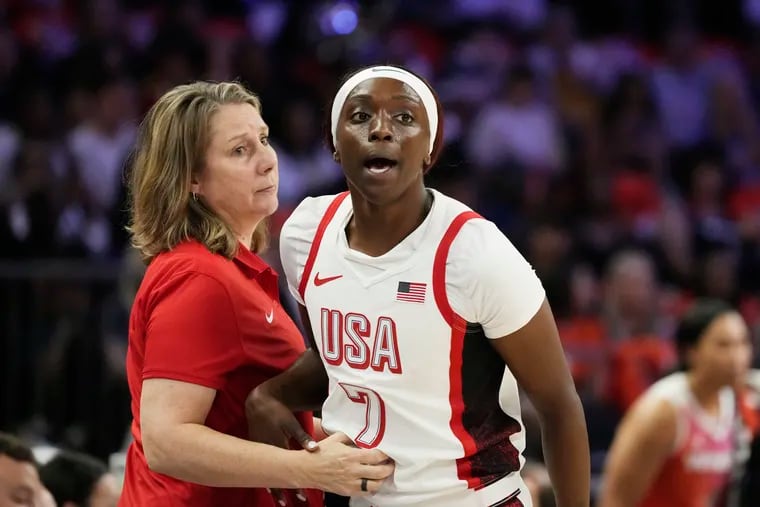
(375, 230)
(706, 393)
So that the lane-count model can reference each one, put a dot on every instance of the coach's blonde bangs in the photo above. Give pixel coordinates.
(170, 148)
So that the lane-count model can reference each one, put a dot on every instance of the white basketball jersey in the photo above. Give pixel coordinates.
(407, 374)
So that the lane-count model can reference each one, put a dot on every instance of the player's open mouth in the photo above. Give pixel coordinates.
(379, 165)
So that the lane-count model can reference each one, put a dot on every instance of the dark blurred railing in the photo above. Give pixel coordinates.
(58, 321)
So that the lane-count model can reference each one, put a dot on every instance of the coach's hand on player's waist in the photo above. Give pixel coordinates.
(335, 464)
(338, 466)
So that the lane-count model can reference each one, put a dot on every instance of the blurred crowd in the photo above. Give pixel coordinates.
(614, 142)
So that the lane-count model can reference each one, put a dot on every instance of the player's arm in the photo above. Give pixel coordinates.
(643, 442)
(500, 290)
(301, 387)
(535, 357)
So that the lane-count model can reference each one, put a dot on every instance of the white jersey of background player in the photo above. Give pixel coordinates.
(416, 304)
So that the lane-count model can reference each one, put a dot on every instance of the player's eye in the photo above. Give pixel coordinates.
(359, 116)
(405, 118)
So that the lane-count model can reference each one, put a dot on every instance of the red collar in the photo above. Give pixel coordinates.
(249, 261)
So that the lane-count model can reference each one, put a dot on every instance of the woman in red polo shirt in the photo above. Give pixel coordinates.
(207, 325)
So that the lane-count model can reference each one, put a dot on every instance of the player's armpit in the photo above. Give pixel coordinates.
(534, 355)
(306, 322)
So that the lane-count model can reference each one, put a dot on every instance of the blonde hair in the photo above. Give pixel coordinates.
(171, 147)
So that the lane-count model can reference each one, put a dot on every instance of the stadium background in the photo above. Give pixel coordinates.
(616, 142)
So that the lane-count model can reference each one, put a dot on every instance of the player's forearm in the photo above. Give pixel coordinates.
(566, 450)
(198, 454)
(625, 486)
(303, 386)
(614, 499)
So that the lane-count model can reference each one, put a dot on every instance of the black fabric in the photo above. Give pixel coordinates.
(750, 487)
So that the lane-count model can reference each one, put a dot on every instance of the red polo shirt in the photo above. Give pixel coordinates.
(201, 318)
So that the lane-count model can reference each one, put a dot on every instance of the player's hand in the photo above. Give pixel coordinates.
(338, 466)
(271, 422)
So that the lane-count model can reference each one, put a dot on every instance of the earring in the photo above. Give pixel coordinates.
(336, 157)
(195, 197)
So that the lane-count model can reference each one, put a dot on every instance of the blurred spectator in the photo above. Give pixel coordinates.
(639, 352)
(631, 292)
(99, 148)
(19, 480)
(734, 124)
(27, 215)
(681, 87)
(518, 127)
(561, 50)
(178, 52)
(9, 143)
(78, 480)
(582, 331)
(548, 248)
(523, 14)
(631, 124)
(707, 206)
(304, 164)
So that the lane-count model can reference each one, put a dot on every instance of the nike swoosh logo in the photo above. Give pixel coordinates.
(270, 316)
(321, 281)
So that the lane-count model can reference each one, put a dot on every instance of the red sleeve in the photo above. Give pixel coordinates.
(192, 334)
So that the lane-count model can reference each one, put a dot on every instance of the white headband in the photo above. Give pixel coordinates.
(415, 83)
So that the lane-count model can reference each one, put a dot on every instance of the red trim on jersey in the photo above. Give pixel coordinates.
(464, 466)
(328, 216)
(439, 264)
(362, 397)
(458, 328)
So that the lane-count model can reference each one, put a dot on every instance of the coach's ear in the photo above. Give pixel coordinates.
(195, 186)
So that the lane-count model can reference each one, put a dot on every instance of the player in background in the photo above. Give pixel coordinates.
(675, 446)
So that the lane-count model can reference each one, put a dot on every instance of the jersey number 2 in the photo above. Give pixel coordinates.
(374, 427)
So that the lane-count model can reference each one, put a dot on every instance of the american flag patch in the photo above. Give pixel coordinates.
(411, 292)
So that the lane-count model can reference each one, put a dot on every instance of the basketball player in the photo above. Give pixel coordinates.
(415, 305)
(675, 446)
